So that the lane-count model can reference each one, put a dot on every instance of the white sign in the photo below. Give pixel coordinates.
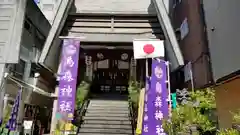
(27, 124)
(184, 28)
(148, 48)
(188, 72)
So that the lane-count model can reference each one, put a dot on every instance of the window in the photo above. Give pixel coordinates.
(27, 25)
(34, 69)
(176, 2)
(184, 29)
(18, 69)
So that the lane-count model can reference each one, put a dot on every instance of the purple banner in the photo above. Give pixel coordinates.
(156, 100)
(68, 77)
(12, 122)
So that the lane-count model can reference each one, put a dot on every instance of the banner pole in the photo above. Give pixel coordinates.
(147, 75)
(191, 75)
(169, 88)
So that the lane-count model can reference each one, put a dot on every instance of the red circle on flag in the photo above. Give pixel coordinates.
(148, 48)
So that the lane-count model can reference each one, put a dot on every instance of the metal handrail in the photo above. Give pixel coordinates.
(133, 117)
(82, 112)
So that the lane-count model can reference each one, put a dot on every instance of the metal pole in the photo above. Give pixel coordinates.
(191, 75)
(24, 92)
(169, 87)
(147, 75)
(2, 87)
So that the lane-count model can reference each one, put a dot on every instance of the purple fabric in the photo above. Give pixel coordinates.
(36, 1)
(68, 77)
(156, 100)
(11, 125)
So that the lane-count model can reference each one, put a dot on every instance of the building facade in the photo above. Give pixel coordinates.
(106, 30)
(208, 39)
(222, 32)
(188, 19)
(49, 8)
(23, 72)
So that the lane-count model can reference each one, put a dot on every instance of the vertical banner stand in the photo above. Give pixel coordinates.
(55, 103)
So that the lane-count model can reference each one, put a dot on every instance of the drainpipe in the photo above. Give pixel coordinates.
(3, 71)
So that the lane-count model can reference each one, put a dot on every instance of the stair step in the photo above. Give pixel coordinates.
(113, 122)
(108, 101)
(99, 130)
(105, 118)
(94, 114)
(108, 108)
(108, 104)
(106, 111)
(107, 126)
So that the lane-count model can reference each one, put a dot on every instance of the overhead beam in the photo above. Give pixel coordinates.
(52, 39)
(168, 30)
(93, 47)
(113, 38)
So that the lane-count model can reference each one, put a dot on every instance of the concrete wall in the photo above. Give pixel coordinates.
(227, 99)
(12, 17)
(49, 8)
(34, 32)
(11, 22)
(222, 19)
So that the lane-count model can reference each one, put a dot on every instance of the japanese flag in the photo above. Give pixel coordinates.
(148, 48)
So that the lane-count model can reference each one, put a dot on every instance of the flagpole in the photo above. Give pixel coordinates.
(147, 75)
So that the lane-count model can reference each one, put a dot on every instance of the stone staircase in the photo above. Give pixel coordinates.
(106, 117)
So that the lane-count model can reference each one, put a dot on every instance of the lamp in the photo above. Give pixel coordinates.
(36, 75)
